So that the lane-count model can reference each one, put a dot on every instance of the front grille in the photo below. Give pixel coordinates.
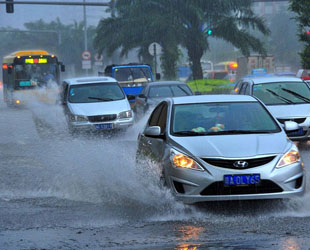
(229, 163)
(265, 187)
(297, 120)
(102, 118)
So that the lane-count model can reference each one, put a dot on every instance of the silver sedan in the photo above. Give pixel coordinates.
(222, 147)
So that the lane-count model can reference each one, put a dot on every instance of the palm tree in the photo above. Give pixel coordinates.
(180, 22)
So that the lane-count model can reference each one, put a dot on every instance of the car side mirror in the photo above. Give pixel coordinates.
(142, 96)
(291, 126)
(154, 132)
(157, 76)
(131, 97)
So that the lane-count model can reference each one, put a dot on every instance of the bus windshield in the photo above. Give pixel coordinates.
(35, 74)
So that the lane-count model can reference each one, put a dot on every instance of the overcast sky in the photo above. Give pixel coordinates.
(67, 14)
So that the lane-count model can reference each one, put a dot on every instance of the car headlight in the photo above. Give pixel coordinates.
(180, 160)
(290, 157)
(125, 114)
(78, 118)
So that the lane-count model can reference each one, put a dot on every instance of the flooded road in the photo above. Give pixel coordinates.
(59, 192)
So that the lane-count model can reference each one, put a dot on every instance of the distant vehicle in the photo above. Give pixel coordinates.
(304, 74)
(155, 92)
(219, 74)
(247, 64)
(95, 103)
(221, 147)
(131, 77)
(288, 99)
(230, 66)
(24, 72)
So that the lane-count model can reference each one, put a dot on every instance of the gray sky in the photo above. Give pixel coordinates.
(67, 14)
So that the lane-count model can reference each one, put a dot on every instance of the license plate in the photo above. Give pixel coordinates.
(240, 180)
(105, 126)
(300, 131)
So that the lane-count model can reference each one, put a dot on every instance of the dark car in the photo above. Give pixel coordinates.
(155, 92)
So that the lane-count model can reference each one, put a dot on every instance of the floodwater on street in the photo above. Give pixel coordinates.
(60, 192)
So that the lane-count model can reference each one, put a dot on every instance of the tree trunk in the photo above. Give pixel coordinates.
(195, 53)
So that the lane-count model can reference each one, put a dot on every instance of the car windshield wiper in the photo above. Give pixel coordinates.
(101, 99)
(225, 132)
(280, 97)
(297, 95)
(190, 133)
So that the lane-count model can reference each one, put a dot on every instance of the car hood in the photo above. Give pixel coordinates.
(232, 146)
(285, 111)
(99, 108)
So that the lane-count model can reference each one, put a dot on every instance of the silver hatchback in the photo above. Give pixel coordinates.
(221, 147)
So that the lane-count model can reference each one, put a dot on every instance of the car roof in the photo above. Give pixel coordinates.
(158, 83)
(259, 80)
(212, 99)
(90, 80)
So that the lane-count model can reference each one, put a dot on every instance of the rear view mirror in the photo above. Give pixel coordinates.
(131, 97)
(157, 76)
(291, 126)
(142, 96)
(153, 131)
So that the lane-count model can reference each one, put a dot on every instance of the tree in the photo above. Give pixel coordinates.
(68, 48)
(180, 22)
(302, 10)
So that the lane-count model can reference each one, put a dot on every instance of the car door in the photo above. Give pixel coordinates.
(153, 148)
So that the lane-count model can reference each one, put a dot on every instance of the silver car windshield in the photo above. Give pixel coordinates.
(222, 118)
(280, 93)
(99, 92)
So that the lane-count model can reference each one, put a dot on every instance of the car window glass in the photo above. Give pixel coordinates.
(160, 91)
(179, 90)
(163, 118)
(155, 116)
(242, 90)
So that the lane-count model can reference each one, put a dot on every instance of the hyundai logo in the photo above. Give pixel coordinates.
(240, 164)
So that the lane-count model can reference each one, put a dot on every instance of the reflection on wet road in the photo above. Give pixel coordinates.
(57, 191)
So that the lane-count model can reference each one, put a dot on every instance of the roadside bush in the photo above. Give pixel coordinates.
(211, 86)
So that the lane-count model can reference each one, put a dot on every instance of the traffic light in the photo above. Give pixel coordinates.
(9, 6)
(209, 32)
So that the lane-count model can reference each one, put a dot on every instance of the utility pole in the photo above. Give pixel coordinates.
(85, 30)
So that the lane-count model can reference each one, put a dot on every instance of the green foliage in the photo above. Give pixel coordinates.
(210, 86)
(302, 10)
(179, 22)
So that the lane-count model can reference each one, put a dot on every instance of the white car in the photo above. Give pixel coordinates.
(287, 98)
(95, 103)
